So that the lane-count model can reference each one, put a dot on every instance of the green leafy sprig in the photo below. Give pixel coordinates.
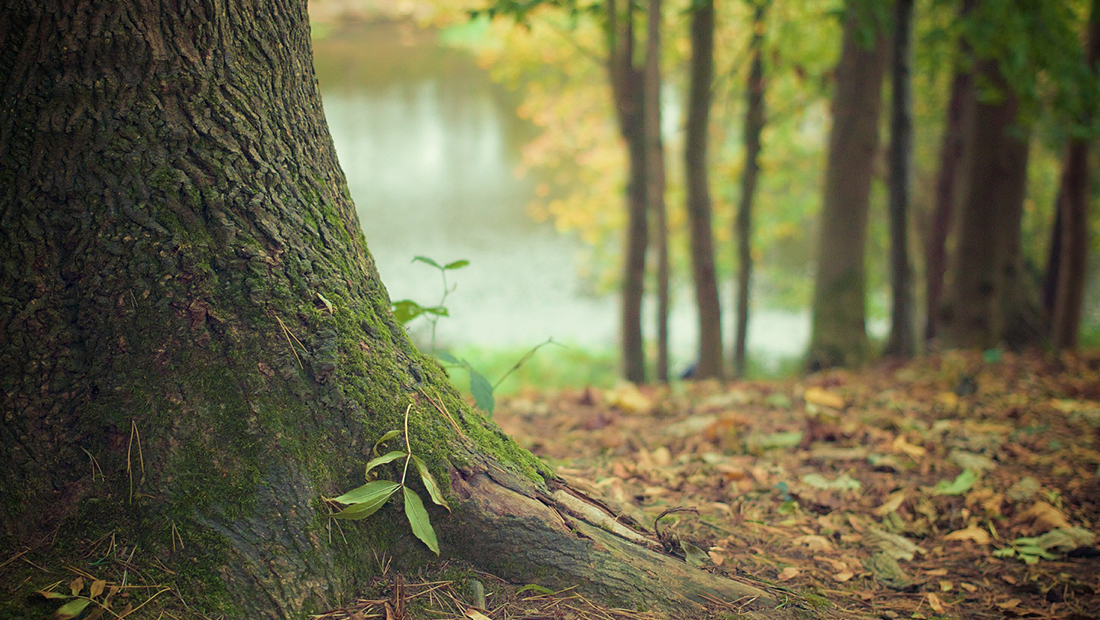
(365, 500)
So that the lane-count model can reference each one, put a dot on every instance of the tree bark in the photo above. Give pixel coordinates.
(987, 299)
(195, 345)
(655, 179)
(1073, 206)
(838, 336)
(948, 183)
(627, 91)
(698, 191)
(901, 340)
(754, 127)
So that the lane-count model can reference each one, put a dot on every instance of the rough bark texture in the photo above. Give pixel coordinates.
(987, 299)
(195, 346)
(901, 340)
(1073, 206)
(698, 191)
(948, 184)
(838, 336)
(754, 127)
(655, 179)
(627, 90)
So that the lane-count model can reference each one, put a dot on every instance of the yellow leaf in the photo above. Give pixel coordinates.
(1044, 517)
(892, 503)
(474, 614)
(949, 400)
(973, 533)
(76, 585)
(824, 398)
(843, 576)
(935, 603)
(900, 445)
(788, 573)
(629, 399)
(946, 586)
(97, 587)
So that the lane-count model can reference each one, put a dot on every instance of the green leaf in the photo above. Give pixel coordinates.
(427, 261)
(52, 594)
(71, 609)
(429, 482)
(694, 555)
(437, 311)
(368, 492)
(447, 358)
(458, 264)
(960, 485)
(355, 512)
(364, 509)
(418, 519)
(482, 391)
(384, 438)
(406, 310)
(389, 457)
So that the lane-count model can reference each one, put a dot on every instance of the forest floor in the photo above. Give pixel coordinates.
(955, 486)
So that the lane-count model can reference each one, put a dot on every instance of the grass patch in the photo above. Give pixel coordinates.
(552, 367)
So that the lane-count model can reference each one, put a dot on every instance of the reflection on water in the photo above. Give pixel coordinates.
(429, 144)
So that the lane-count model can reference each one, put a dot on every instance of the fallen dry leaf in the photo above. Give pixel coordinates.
(974, 533)
(824, 398)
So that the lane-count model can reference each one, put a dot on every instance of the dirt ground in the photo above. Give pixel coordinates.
(956, 486)
(961, 485)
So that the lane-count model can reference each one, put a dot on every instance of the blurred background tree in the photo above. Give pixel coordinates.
(565, 132)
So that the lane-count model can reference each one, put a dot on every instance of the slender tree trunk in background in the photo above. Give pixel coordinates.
(754, 127)
(901, 339)
(627, 90)
(1073, 208)
(948, 183)
(1054, 262)
(986, 302)
(698, 191)
(947, 191)
(195, 345)
(838, 336)
(655, 181)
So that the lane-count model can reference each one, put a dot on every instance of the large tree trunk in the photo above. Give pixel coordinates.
(987, 300)
(698, 191)
(195, 346)
(655, 179)
(754, 127)
(839, 336)
(1073, 206)
(627, 91)
(901, 340)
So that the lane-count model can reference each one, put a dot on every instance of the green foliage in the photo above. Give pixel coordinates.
(406, 310)
(367, 499)
(1049, 546)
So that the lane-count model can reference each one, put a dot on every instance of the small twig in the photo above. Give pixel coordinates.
(15, 557)
(287, 334)
(523, 360)
(95, 465)
(442, 409)
(408, 448)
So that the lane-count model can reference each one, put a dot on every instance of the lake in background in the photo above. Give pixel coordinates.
(430, 145)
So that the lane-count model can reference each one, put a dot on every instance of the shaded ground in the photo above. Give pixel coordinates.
(956, 486)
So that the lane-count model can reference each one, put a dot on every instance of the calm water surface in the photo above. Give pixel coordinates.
(429, 145)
